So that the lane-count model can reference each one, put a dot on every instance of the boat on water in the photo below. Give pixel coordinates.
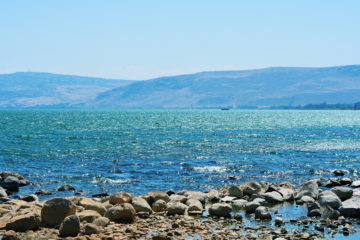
(225, 108)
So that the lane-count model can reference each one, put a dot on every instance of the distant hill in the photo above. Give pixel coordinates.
(33, 89)
(280, 86)
(261, 87)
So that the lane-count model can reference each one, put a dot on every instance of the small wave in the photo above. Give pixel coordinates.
(109, 180)
(210, 169)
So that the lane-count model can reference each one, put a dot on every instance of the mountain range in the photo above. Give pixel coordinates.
(278, 86)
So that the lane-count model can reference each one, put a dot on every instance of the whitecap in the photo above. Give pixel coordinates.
(210, 169)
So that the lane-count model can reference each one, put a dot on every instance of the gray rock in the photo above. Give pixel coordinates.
(10, 183)
(55, 210)
(120, 197)
(286, 193)
(123, 212)
(235, 191)
(279, 221)
(176, 208)
(3, 193)
(239, 204)
(351, 207)
(220, 210)
(90, 228)
(195, 195)
(309, 188)
(329, 213)
(356, 184)
(250, 207)
(141, 205)
(178, 198)
(227, 199)
(313, 209)
(252, 187)
(70, 227)
(273, 197)
(314, 213)
(88, 216)
(22, 223)
(338, 172)
(66, 188)
(213, 196)
(159, 206)
(329, 198)
(102, 221)
(29, 198)
(157, 195)
(194, 206)
(305, 200)
(345, 181)
(262, 213)
(343, 193)
(42, 192)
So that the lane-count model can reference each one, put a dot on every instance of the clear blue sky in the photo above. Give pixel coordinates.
(144, 39)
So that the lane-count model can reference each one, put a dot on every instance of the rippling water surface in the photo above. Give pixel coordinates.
(139, 151)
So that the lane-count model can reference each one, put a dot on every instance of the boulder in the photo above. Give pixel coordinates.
(66, 188)
(227, 199)
(123, 212)
(102, 221)
(252, 187)
(88, 216)
(351, 207)
(10, 183)
(159, 206)
(70, 227)
(220, 210)
(333, 182)
(239, 204)
(42, 192)
(286, 193)
(273, 197)
(338, 172)
(309, 188)
(345, 181)
(213, 196)
(235, 191)
(120, 197)
(157, 195)
(313, 209)
(195, 195)
(90, 228)
(22, 223)
(3, 193)
(305, 200)
(194, 206)
(90, 204)
(250, 207)
(29, 198)
(55, 210)
(329, 213)
(356, 184)
(343, 193)
(141, 205)
(329, 198)
(262, 213)
(176, 208)
(178, 198)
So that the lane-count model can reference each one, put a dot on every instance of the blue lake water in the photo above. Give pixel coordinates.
(139, 151)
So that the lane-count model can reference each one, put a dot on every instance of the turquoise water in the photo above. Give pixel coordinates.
(139, 151)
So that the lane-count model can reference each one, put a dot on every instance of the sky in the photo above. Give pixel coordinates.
(137, 39)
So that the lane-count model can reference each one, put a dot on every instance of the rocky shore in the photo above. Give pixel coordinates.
(251, 210)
